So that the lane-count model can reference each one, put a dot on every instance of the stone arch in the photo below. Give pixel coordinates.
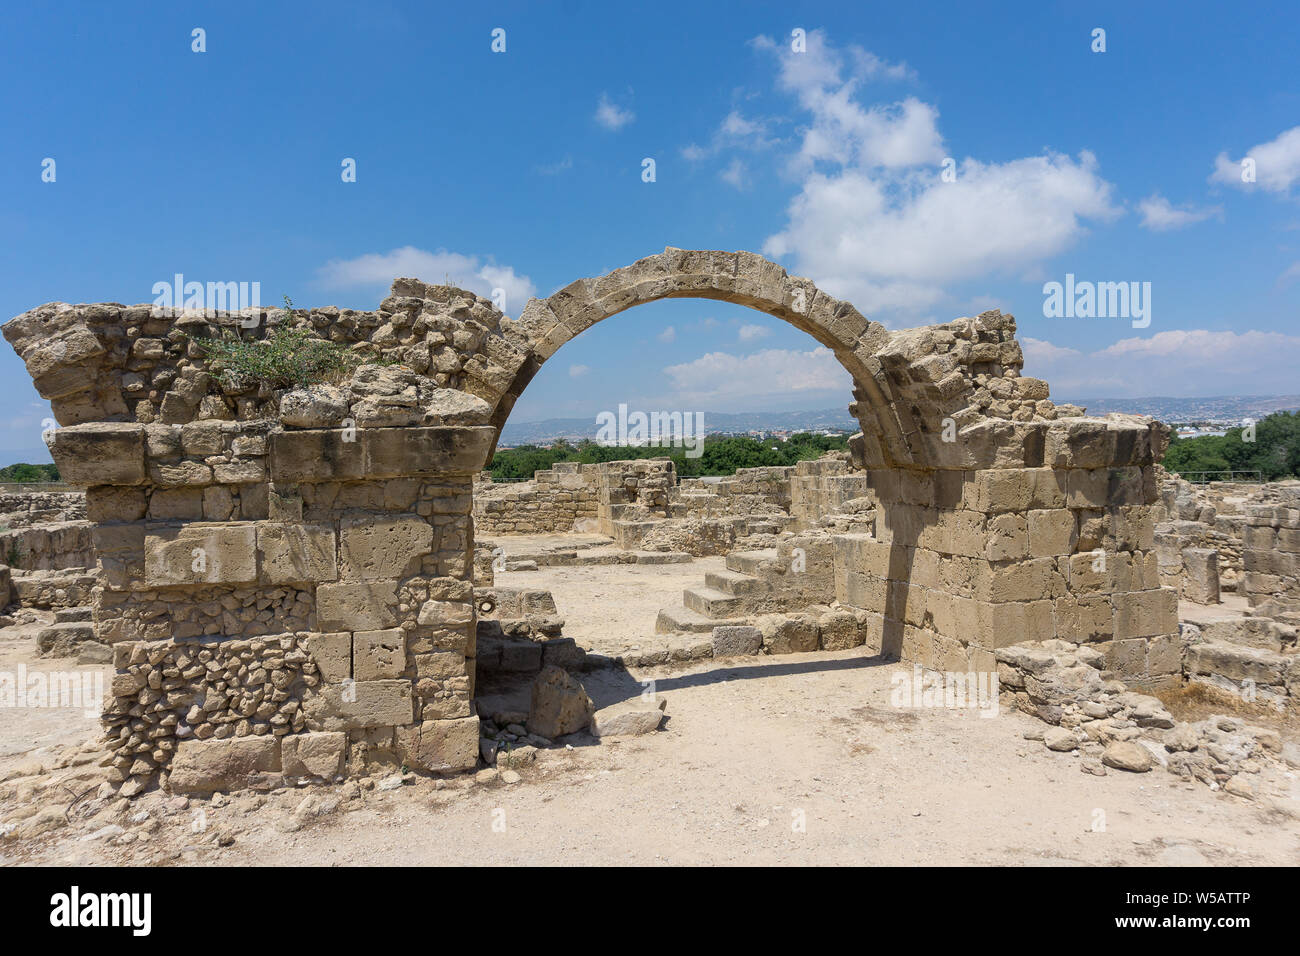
(337, 535)
(741, 278)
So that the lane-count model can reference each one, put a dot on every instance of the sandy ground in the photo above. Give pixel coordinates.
(798, 759)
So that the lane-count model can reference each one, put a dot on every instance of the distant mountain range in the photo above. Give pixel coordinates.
(1225, 408)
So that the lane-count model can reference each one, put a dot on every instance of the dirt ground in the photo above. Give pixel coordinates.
(799, 759)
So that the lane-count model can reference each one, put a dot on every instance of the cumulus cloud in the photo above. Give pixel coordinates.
(875, 223)
(378, 270)
(718, 378)
(610, 115)
(749, 332)
(1160, 215)
(736, 174)
(1184, 362)
(1277, 164)
(669, 334)
(577, 371)
(736, 131)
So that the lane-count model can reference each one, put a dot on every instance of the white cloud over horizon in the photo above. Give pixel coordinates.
(717, 379)
(468, 272)
(1183, 362)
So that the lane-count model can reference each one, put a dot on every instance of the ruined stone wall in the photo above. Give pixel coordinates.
(561, 499)
(822, 487)
(55, 546)
(1272, 555)
(246, 532)
(1055, 542)
(22, 509)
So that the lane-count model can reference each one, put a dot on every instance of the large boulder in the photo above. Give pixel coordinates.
(560, 704)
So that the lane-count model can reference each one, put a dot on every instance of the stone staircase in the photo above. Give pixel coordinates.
(1241, 655)
(733, 596)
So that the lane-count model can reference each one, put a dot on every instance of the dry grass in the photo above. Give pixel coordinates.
(1193, 700)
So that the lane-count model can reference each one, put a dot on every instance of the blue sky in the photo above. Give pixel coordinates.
(523, 170)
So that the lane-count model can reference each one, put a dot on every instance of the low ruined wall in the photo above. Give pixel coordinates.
(821, 487)
(20, 509)
(49, 547)
(561, 499)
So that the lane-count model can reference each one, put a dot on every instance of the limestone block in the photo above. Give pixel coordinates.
(201, 553)
(367, 606)
(358, 704)
(313, 754)
(317, 455)
(446, 613)
(559, 705)
(378, 655)
(206, 766)
(1052, 532)
(837, 631)
(433, 450)
(736, 641)
(1008, 538)
(296, 553)
(99, 453)
(1145, 613)
(1202, 582)
(440, 746)
(332, 654)
(375, 547)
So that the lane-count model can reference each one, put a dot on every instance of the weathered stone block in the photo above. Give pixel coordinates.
(378, 655)
(206, 766)
(440, 746)
(359, 704)
(201, 553)
(367, 606)
(736, 641)
(313, 754)
(295, 553)
(376, 547)
(99, 453)
(332, 654)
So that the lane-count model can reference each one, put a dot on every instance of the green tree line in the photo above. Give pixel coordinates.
(29, 473)
(722, 456)
(1275, 451)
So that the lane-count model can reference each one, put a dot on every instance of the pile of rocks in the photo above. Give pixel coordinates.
(1111, 726)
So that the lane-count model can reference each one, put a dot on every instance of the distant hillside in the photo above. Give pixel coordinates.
(1222, 408)
(575, 429)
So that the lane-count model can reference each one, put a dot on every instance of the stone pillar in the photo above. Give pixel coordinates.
(1201, 567)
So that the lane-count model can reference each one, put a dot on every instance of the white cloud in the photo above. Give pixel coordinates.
(468, 272)
(714, 379)
(1277, 164)
(736, 131)
(577, 371)
(736, 174)
(1182, 362)
(1289, 275)
(668, 334)
(1159, 215)
(610, 116)
(750, 332)
(874, 222)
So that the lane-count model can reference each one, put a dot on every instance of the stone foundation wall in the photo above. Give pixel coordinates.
(561, 499)
(1272, 555)
(55, 546)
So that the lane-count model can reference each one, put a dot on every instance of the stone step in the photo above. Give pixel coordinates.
(733, 582)
(750, 562)
(1222, 663)
(1261, 633)
(680, 618)
(61, 640)
(662, 648)
(64, 615)
(628, 535)
(710, 602)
